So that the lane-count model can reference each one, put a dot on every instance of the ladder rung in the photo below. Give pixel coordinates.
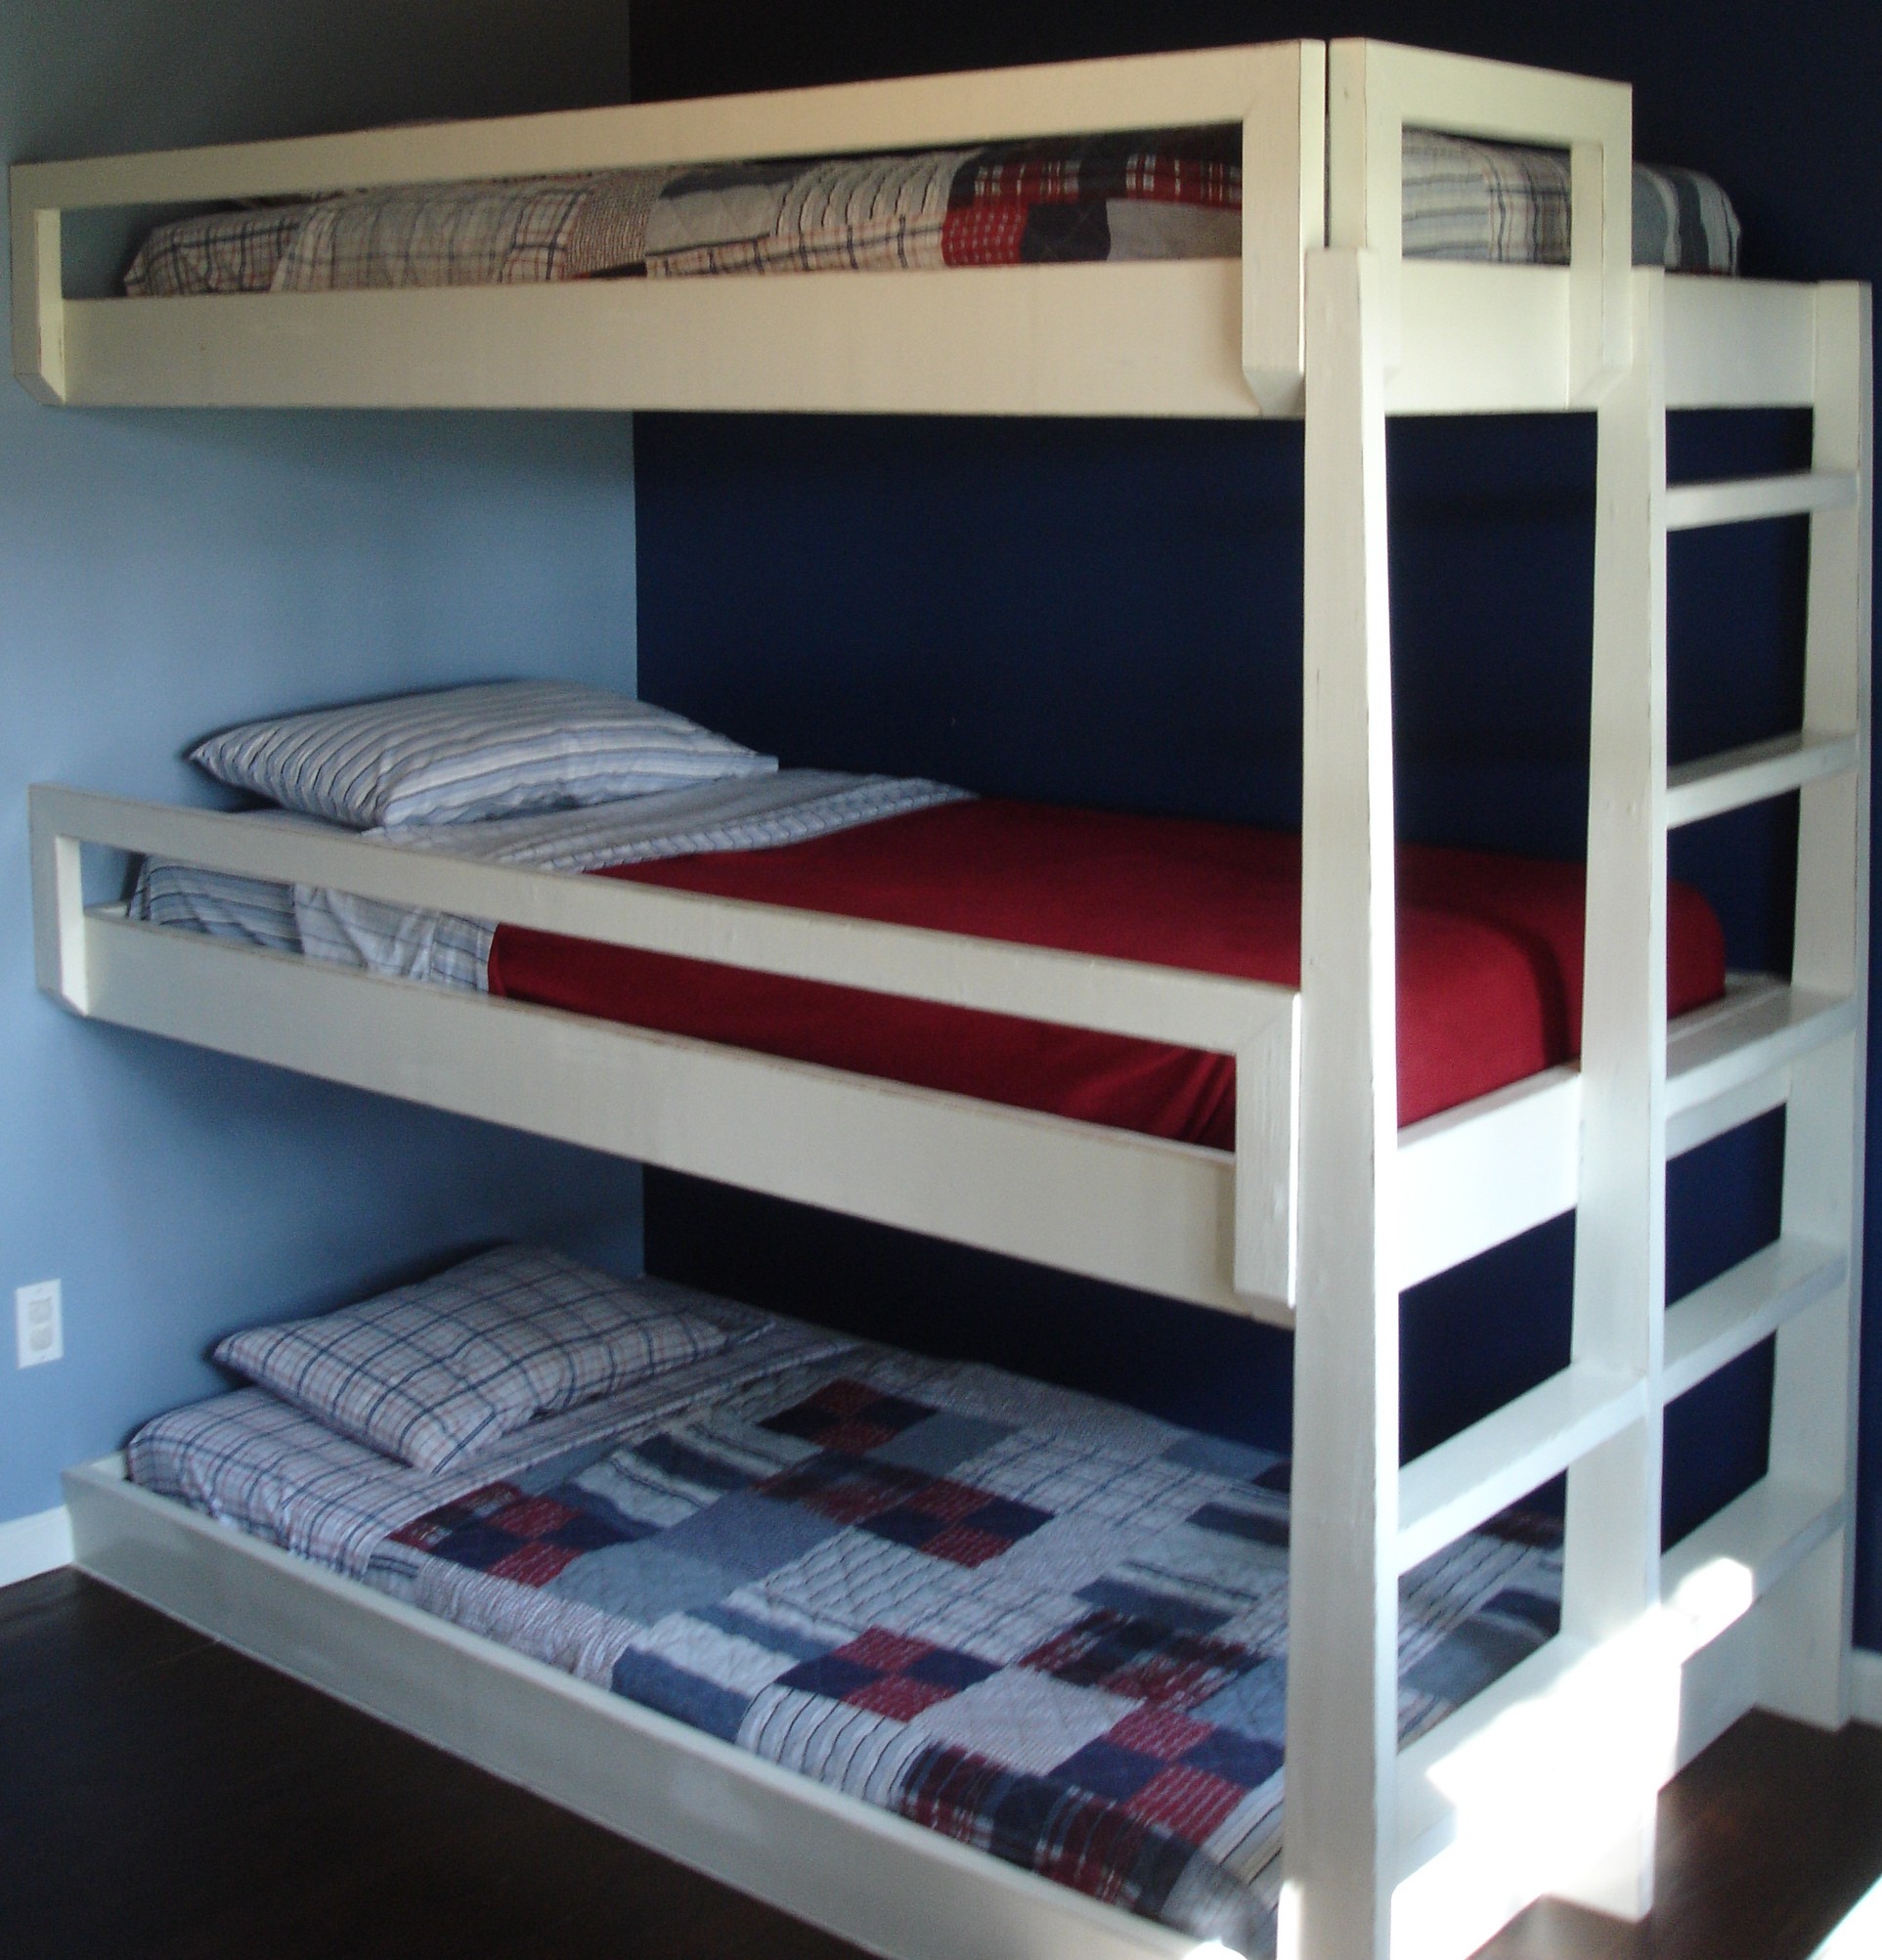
(1725, 1112)
(1753, 774)
(1713, 1578)
(1716, 1056)
(1486, 1468)
(1739, 499)
(1722, 1320)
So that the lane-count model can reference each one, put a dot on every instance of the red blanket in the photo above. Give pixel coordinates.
(1489, 957)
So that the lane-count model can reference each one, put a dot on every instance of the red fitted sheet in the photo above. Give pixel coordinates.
(1489, 957)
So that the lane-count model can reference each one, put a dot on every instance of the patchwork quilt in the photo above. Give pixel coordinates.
(1138, 195)
(1048, 1627)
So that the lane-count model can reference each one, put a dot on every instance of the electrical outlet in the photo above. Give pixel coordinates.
(40, 1323)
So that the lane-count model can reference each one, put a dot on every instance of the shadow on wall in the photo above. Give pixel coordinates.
(168, 574)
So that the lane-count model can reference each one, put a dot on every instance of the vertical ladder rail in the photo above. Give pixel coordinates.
(1611, 1550)
(1804, 1626)
(1342, 1676)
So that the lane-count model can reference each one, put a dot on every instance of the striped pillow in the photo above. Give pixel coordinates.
(428, 1371)
(470, 752)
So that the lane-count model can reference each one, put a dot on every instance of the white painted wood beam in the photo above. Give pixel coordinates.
(1611, 1542)
(1739, 343)
(1804, 1632)
(1755, 773)
(1377, 89)
(1716, 1323)
(1760, 1026)
(1691, 506)
(1715, 1574)
(1485, 1468)
(1343, 1668)
(1137, 1211)
(1153, 1003)
(1472, 1177)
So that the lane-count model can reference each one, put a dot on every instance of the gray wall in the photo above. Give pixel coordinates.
(161, 575)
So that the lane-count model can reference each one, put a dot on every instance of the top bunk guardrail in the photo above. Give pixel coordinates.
(1322, 133)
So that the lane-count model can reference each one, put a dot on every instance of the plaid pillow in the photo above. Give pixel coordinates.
(428, 1371)
(465, 752)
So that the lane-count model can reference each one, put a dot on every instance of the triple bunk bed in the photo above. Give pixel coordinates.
(1327, 1206)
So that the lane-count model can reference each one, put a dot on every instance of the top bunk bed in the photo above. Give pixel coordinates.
(1208, 324)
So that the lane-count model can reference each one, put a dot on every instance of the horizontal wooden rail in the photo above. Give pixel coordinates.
(1472, 1177)
(1714, 1576)
(1718, 1321)
(1135, 1210)
(1745, 499)
(1753, 774)
(1487, 1467)
(621, 350)
(1125, 997)
(1717, 1056)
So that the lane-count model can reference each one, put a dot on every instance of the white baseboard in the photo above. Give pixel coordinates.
(1866, 1686)
(30, 1546)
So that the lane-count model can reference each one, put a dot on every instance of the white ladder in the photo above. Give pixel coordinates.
(1548, 1780)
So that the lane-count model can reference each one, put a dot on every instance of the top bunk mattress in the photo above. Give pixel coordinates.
(1143, 195)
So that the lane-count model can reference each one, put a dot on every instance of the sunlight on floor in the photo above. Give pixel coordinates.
(1859, 1935)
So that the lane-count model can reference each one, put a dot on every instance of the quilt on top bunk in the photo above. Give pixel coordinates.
(1489, 947)
(1172, 194)
(1044, 1625)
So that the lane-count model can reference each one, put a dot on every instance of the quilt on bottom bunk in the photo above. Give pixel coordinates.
(1044, 1625)
(1489, 957)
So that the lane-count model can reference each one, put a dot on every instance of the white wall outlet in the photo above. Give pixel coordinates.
(39, 1321)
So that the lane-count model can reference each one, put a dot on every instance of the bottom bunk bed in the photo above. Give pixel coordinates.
(827, 1584)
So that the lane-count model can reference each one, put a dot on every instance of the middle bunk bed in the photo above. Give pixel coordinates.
(1317, 1205)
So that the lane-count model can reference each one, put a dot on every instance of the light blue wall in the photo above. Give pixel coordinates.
(165, 574)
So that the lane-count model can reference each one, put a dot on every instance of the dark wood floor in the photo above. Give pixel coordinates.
(160, 1796)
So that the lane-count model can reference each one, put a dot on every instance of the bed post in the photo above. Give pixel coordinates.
(1804, 1626)
(1612, 1576)
(1342, 1680)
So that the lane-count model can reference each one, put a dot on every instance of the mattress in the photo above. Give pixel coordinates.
(1047, 1625)
(1489, 947)
(1489, 957)
(1144, 194)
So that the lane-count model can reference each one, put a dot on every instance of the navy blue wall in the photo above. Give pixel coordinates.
(1109, 612)
(164, 575)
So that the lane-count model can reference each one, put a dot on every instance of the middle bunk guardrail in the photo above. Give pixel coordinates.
(1161, 1215)
(1182, 1220)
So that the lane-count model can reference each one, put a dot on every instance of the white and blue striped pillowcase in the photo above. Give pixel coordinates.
(466, 753)
(428, 1371)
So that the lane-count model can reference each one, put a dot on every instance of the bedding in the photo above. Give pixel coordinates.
(1047, 1625)
(432, 1370)
(1489, 947)
(1489, 957)
(460, 754)
(407, 943)
(256, 911)
(1144, 194)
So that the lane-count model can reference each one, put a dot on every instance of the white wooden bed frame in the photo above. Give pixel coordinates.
(1326, 1208)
